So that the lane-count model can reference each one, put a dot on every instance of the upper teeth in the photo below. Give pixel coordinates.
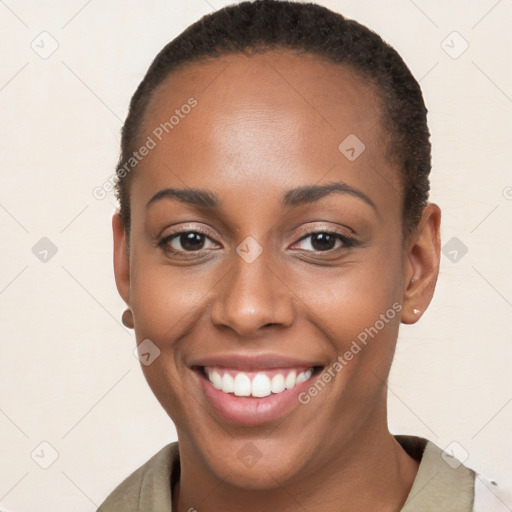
(261, 384)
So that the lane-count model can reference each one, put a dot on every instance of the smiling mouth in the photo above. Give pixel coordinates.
(256, 384)
(253, 391)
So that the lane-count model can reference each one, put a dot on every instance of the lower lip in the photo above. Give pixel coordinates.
(250, 410)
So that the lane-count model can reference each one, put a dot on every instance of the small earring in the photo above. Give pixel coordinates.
(416, 311)
(127, 318)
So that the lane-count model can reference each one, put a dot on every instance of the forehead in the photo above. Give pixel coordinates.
(275, 119)
(311, 86)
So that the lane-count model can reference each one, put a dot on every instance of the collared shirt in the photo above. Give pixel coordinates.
(441, 484)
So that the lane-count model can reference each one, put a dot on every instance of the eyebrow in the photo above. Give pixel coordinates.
(312, 193)
(194, 196)
(295, 197)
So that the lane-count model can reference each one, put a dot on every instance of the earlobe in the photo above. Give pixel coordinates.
(422, 265)
(121, 258)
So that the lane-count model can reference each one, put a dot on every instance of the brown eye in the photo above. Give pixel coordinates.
(322, 241)
(191, 241)
(185, 241)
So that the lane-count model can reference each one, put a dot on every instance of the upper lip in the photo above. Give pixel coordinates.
(253, 362)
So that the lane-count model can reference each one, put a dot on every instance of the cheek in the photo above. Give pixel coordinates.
(358, 311)
(167, 299)
(168, 304)
(349, 300)
(360, 318)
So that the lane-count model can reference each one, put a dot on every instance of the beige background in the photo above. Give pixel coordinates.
(68, 375)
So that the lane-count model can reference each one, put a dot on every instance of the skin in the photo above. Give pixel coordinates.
(265, 124)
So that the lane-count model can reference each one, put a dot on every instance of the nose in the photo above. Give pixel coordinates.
(252, 296)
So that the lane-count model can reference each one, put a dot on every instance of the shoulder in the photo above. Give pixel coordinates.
(442, 481)
(148, 487)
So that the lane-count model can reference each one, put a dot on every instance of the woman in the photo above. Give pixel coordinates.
(274, 230)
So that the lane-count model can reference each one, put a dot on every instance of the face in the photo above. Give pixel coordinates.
(285, 258)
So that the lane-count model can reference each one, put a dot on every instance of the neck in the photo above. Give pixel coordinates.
(372, 473)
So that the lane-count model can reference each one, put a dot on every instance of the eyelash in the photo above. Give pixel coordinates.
(347, 241)
(163, 242)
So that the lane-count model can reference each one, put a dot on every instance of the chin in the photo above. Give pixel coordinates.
(258, 465)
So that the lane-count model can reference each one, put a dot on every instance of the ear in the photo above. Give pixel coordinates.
(121, 258)
(422, 265)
